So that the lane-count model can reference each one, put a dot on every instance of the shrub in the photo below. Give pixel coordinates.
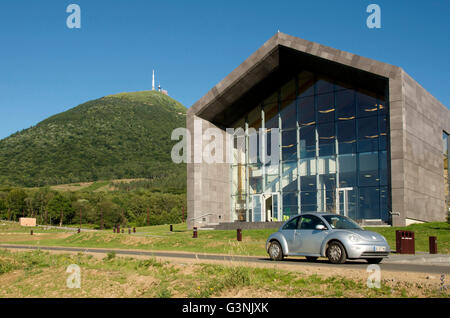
(110, 256)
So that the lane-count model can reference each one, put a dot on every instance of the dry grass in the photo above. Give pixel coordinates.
(41, 274)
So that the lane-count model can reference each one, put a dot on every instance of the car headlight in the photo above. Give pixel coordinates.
(354, 238)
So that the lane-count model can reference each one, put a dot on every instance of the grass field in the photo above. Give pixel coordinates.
(40, 274)
(221, 242)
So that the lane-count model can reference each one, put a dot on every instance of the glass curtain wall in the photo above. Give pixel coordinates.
(445, 140)
(333, 153)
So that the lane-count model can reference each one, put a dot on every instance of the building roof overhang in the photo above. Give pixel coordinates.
(281, 57)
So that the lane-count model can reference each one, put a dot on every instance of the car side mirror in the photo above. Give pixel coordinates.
(321, 227)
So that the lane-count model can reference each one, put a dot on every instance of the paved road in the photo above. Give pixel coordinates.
(295, 262)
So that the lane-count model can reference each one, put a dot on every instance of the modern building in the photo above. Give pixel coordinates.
(357, 137)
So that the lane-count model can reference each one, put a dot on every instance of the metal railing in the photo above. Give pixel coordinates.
(201, 216)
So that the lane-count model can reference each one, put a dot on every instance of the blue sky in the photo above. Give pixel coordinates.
(46, 68)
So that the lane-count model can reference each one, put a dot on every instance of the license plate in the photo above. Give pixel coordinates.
(379, 249)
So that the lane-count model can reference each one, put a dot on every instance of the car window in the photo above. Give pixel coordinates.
(340, 222)
(309, 222)
(291, 225)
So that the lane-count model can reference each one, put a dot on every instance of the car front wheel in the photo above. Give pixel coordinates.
(275, 251)
(336, 253)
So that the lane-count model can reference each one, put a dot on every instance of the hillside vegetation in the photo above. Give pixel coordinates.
(115, 137)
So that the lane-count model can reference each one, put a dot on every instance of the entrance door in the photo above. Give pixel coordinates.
(266, 207)
(342, 200)
(272, 207)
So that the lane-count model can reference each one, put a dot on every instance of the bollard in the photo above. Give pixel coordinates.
(171, 228)
(118, 229)
(123, 231)
(195, 234)
(433, 244)
(129, 231)
(239, 234)
(31, 233)
(134, 230)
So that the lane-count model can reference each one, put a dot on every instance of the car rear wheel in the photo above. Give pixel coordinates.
(374, 260)
(336, 253)
(311, 258)
(275, 251)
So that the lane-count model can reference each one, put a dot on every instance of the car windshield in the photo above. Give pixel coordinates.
(340, 222)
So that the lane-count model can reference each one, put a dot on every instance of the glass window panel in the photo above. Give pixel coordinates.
(308, 142)
(239, 207)
(290, 204)
(255, 178)
(257, 208)
(368, 169)
(308, 183)
(276, 209)
(272, 183)
(446, 176)
(384, 204)
(382, 105)
(326, 168)
(288, 93)
(308, 201)
(369, 203)
(346, 135)
(368, 134)
(305, 84)
(345, 105)
(289, 176)
(352, 202)
(324, 85)
(271, 111)
(383, 132)
(254, 148)
(272, 178)
(254, 118)
(289, 116)
(383, 168)
(327, 201)
(272, 148)
(308, 171)
(367, 104)
(445, 143)
(325, 108)
(306, 111)
(326, 133)
(289, 144)
(239, 146)
(347, 170)
(238, 180)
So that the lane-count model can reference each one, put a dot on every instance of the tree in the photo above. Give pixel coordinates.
(60, 204)
(3, 205)
(112, 214)
(15, 202)
(83, 207)
(40, 201)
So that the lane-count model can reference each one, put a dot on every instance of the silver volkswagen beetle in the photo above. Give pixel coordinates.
(329, 235)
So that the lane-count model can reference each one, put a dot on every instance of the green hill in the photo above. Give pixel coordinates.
(114, 137)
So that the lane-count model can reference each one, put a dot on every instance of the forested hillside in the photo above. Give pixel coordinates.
(114, 137)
